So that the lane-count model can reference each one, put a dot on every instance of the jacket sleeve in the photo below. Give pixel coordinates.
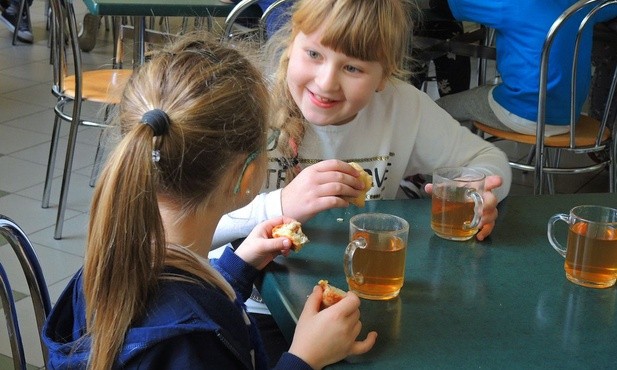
(457, 147)
(238, 273)
(239, 223)
(289, 361)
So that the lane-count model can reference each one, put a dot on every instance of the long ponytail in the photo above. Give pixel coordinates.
(126, 245)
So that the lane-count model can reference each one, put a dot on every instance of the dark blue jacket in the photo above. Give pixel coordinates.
(187, 325)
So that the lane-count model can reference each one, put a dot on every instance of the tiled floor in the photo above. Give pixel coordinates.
(26, 119)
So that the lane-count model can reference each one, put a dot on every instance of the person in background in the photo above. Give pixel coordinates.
(520, 30)
(193, 122)
(9, 18)
(452, 72)
(89, 31)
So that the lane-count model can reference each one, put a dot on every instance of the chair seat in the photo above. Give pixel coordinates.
(586, 134)
(100, 86)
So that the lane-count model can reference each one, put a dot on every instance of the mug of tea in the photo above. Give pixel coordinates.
(374, 259)
(457, 202)
(591, 250)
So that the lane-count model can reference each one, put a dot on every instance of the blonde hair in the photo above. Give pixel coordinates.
(216, 101)
(370, 30)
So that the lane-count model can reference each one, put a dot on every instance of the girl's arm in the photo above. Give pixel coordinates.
(239, 223)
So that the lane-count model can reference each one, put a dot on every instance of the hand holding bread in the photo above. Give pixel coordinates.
(368, 182)
(292, 231)
(331, 294)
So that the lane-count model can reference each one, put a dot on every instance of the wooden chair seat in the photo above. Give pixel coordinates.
(586, 134)
(100, 86)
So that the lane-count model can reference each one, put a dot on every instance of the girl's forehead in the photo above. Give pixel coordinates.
(315, 39)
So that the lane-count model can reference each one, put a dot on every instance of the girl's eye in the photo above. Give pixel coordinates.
(352, 69)
(312, 54)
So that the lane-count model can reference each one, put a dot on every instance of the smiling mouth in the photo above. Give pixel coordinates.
(321, 101)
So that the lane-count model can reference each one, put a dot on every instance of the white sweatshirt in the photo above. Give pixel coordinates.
(401, 132)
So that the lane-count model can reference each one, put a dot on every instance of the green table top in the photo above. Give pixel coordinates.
(178, 8)
(501, 303)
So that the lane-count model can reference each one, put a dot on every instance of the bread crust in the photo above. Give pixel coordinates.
(292, 231)
(360, 200)
(331, 294)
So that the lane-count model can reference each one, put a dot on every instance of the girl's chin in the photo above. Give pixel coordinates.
(321, 120)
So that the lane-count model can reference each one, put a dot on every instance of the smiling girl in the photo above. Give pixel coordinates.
(339, 97)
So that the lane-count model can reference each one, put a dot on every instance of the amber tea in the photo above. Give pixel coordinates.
(382, 265)
(457, 202)
(591, 257)
(452, 219)
(375, 256)
(591, 250)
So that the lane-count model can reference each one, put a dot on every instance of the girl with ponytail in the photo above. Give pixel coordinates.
(194, 132)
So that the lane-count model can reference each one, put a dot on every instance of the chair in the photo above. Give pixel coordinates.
(73, 86)
(36, 283)
(246, 8)
(586, 136)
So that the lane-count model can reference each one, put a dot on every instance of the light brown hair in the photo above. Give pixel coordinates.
(216, 102)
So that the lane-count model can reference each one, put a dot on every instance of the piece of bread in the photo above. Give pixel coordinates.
(331, 294)
(293, 231)
(368, 183)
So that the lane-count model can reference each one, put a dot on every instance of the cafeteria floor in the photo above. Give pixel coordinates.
(26, 119)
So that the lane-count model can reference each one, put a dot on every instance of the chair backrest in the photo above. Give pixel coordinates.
(584, 13)
(36, 283)
(245, 8)
(65, 47)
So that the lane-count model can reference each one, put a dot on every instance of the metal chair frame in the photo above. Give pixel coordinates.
(64, 23)
(36, 283)
(242, 7)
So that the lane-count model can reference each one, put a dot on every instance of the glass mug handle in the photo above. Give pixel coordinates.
(551, 235)
(348, 260)
(477, 209)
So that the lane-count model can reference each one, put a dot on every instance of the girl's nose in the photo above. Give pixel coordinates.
(327, 78)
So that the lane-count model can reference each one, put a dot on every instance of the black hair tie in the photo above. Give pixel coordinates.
(158, 121)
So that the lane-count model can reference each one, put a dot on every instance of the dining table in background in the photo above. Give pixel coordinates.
(139, 9)
(501, 303)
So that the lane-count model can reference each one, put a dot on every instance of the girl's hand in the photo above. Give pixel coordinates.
(489, 211)
(320, 187)
(258, 249)
(328, 336)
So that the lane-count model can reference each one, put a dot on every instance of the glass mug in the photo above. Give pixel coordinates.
(374, 259)
(591, 250)
(457, 202)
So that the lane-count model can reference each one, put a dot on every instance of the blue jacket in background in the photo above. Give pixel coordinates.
(520, 30)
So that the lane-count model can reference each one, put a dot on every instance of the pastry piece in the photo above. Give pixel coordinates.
(368, 182)
(293, 231)
(331, 294)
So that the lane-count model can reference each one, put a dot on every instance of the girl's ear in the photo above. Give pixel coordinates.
(247, 184)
